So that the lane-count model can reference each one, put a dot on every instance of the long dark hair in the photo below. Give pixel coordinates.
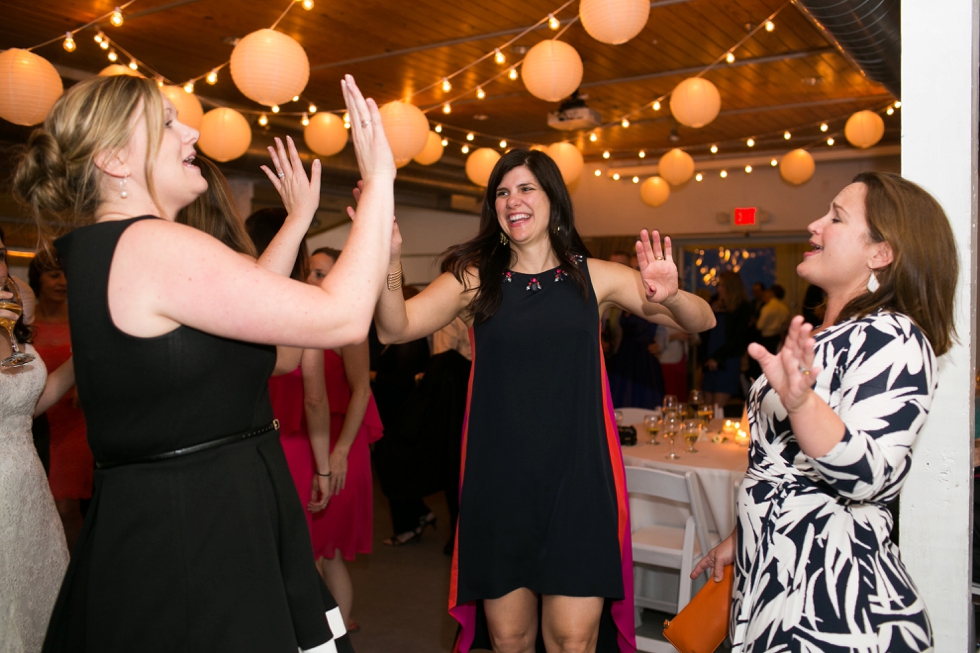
(263, 225)
(492, 258)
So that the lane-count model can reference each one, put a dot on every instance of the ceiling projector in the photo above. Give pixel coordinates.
(573, 114)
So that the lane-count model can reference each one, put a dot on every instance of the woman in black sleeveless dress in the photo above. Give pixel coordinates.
(195, 540)
(543, 512)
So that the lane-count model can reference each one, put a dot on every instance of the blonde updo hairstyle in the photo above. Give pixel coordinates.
(56, 174)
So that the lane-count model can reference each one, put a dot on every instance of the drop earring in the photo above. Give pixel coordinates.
(122, 187)
(503, 238)
(873, 284)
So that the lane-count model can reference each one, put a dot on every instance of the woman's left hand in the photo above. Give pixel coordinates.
(338, 469)
(319, 493)
(657, 268)
(791, 372)
(300, 196)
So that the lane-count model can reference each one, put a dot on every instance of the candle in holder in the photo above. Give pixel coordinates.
(729, 428)
(741, 438)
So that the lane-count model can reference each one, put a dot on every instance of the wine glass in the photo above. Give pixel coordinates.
(691, 431)
(651, 422)
(706, 412)
(670, 402)
(618, 414)
(695, 397)
(12, 305)
(671, 424)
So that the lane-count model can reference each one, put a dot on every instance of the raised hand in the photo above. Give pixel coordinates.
(374, 157)
(791, 372)
(300, 195)
(657, 268)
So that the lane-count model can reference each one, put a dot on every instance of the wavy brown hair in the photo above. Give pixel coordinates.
(920, 282)
(215, 212)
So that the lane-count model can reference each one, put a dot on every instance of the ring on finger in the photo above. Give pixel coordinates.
(659, 258)
(803, 370)
(280, 174)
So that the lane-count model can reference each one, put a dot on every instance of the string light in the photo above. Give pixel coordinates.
(513, 73)
(212, 77)
(698, 177)
(553, 22)
(498, 56)
(616, 176)
(189, 87)
(830, 141)
(346, 119)
(438, 129)
(446, 86)
(605, 155)
(305, 120)
(113, 56)
(104, 43)
(656, 105)
(116, 18)
(773, 162)
(824, 127)
(480, 93)
(787, 135)
(897, 105)
(159, 81)
(99, 37)
(444, 142)
(770, 26)
(890, 110)
(625, 123)
(598, 173)
(714, 149)
(295, 98)
(470, 136)
(69, 43)
(503, 145)
(263, 120)
(750, 142)
(446, 109)
(748, 169)
(642, 154)
(133, 65)
(275, 108)
(636, 180)
(465, 149)
(307, 4)
(730, 57)
(311, 108)
(593, 137)
(723, 174)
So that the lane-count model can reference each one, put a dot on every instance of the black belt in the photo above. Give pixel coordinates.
(196, 448)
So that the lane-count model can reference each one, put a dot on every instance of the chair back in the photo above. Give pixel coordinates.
(635, 415)
(683, 488)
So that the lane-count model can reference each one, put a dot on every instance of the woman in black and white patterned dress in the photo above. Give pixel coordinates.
(833, 420)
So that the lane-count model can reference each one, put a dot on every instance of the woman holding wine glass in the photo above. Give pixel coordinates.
(195, 539)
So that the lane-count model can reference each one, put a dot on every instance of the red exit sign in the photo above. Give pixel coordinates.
(745, 217)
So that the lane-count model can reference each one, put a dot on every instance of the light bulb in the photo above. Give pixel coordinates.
(189, 87)
(824, 127)
(346, 117)
(830, 141)
(116, 18)
(773, 163)
(99, 37)
(159, 82)
(104, 44)
(480, 93)
(69, 43)
(113, 56)
(503, 145)
(625, 123)
(275, 108)
(636, 180)
(305, 120)
(446, 108)
(498, 56)
(770, 26)
(446, 86)
(470, 136)
(444, 142)
(890, 110)
(730, 57)
(307, 4)
(513, 73)
(787, 135)
(593, 137)
(748, 169)
(714, 149)
(295, 98)
(897, 105)
(346, 125)
(723, 174)
(598, 173)
(465, 149)
(605, 155)
(212, 77)
(438, 129)
(656, 105)
(133, 65)
(642, 154)
(616, 176)
(698, 177)
(750, 142)
(553, 22)
(263, 120)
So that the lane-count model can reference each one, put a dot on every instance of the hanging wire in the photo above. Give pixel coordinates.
(75, 31)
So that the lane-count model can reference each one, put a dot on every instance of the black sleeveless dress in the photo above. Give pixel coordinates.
(542, 501)
(202, 553)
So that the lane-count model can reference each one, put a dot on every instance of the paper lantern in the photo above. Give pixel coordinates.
(480, 164)
(406, 127)
(432, 151)
(539, 148)
(569, 160)
(864, 129)
(118, 69)
(401, 163)
(614, 21)
(325, 134)
(797, 167)
(654, 191)
(188, 107)
(551, 70)
(676, 166)
(29, 87)
(269, 67)
(225, 134)
(695, 102)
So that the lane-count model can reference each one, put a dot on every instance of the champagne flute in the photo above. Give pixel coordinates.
(691, 431)
(12, 305)
(652, 424)
(672, 424)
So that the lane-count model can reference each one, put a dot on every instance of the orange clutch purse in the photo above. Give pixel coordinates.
(702, 625)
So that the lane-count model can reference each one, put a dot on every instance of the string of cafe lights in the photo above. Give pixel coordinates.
(114, 17)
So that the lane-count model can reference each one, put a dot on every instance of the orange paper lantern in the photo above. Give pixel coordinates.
(225, 134)
(551, 70)
(269, 67)
(654, 191)
(614, 21)
(569, 160)
(29, 87)
(480, 164)
(406, 127)
(189, 110)
(432, 151)
(695, 102)
(864, 129)
(118, 69)
(325, 134)
(797, 167)
(676, 166)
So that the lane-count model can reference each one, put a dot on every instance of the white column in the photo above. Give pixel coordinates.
(939, 152)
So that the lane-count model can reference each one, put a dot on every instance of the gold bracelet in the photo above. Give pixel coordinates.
(395, 279)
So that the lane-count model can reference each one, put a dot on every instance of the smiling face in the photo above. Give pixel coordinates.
(54, 287)
(320, 266)
(843, 253)
(522, 205)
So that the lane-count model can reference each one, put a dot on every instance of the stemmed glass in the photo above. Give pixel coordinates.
(670, 402)
(690, 432)
(15, 306)
(651, 422)
(706, 413)
(672, 423)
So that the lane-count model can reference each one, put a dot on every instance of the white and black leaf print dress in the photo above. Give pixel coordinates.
(816, 569)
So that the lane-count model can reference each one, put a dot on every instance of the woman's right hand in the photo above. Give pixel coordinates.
(374, 157)
(9, 314)
(396, 235)
(717, 558)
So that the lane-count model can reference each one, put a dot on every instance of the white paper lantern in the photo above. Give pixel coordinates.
(479, 165)
(568, 159)
(325, 134)
(654, 191)
(406, 127)
(797, 167)
(189, 110)
(551, 70)
(695, 102)
(225, 134)
(29, 87)
(676, 166)
(432, 151)
(614, 21)
(269, 67)
(864, 129)
(118, 69)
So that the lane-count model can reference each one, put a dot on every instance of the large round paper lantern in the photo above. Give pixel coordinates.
(118, 69)
(654, 191)
(480, 164)
(401, 163)
(797, 167)
(188, 107)
(325, 134)
(864, 129)
(676, 166)
(29, 87)
(614, 21)
(569, 160)
(432, 151)
(406, 127)
(269, 67)
(695, 102)
(225, 134)
(551, 70)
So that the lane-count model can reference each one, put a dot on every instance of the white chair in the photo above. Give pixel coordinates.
(634, 416)
(667, 546)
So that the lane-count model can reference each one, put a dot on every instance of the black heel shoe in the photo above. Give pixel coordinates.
(427, 520)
